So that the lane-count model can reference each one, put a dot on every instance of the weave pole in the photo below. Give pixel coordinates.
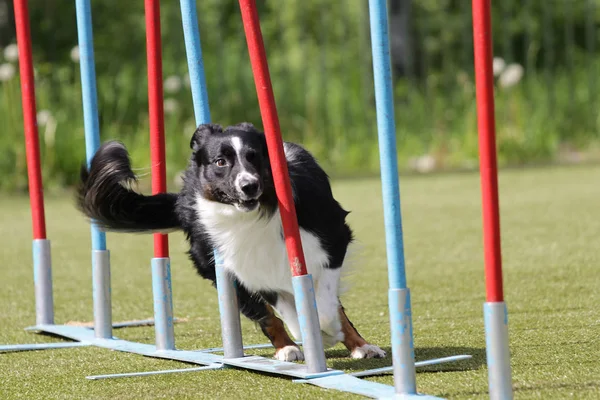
(302, 281)
(231, 328)
(161, 266)
(495, 312)
(403, 356)
(42, 264)
(100, 255)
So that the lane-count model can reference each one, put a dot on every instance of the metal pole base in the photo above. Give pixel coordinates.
(40, 346)
(42, 277)
(231, 329)
(403, 353)
(497, 350)
(101, 294)
(433, 361)
(308, 317)
(163, 304)
(148, 373)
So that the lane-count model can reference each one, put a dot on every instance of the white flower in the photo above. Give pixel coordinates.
(75, 54)
(50, 131)
(7, 71)
(498, 65)
(172, 84)
(11, 53)
(511, 75)
(424, 163)
(171, 106)
(43, 116)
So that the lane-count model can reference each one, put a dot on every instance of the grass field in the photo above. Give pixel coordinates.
(550, 227)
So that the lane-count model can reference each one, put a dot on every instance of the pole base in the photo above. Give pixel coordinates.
(403, 354)
(163, 304)
(497, 350)
(231, 328)
(42, 278)
(306, 305)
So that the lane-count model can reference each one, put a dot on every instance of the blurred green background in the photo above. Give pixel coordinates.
(546, 71)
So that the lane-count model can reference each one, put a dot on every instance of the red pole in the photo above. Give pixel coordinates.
(268, 111)
(156, 113)
(36, 191)
(482, 34)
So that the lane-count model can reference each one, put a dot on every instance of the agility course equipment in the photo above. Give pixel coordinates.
(315, 370)
(495, 311)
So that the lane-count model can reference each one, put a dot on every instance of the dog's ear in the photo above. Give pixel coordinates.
(202, 133)
(245, 126)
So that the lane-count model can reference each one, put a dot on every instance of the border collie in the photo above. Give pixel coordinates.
(228, 203)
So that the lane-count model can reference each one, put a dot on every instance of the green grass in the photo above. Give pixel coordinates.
(550, 226)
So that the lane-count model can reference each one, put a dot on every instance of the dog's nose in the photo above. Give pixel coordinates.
(250, 189)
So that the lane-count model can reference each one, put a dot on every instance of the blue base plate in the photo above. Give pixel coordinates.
(85, 336)
(330, 379)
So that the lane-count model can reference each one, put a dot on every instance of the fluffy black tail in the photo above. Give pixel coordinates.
(105, 195)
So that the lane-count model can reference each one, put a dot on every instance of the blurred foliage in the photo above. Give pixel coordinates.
(320, 62)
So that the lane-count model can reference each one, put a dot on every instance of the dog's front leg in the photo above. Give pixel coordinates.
(285, 348)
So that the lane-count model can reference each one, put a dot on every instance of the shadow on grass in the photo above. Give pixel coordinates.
(542, 387)
(338, 359)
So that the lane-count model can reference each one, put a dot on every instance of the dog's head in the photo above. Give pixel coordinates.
(231, 165)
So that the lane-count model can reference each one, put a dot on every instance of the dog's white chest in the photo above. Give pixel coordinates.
(254, 248)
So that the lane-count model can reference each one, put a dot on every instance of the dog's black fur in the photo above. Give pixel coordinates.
(105, 195)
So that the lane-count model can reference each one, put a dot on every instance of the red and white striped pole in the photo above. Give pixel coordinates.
(44, 304)
(161, 265)
(495, 312)
(302, 281)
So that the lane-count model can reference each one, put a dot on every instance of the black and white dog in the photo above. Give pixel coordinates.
(228, 203)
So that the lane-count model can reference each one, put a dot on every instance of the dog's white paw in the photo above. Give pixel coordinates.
(289, 353)
(331, 340)
(368, 351)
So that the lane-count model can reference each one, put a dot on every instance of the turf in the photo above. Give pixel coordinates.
(550, 228)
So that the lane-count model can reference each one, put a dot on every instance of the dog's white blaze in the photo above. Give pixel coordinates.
(253, 248)
(236, 142)
(243, 175)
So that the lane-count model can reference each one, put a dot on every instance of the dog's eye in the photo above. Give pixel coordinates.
(220, 162)
(251, 157)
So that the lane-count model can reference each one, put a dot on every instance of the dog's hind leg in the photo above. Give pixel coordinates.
(358, 347)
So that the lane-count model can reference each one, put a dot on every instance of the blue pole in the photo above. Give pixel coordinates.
(100, 255)
(195, 62)
(226, 291)
(399, 295)
(89, 94)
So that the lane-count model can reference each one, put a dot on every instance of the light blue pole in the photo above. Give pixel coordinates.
(229, 311)
(100, 255)
(399, 295)
(195, 61)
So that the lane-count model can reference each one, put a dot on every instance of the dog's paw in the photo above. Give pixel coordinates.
(289, 353)
(331, 340)
(367, 351)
